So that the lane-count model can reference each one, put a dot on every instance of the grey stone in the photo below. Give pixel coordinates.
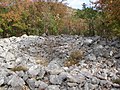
(5, 72)
(98, 66)
(88, 41)
(20, 73)
(24, 36)
(55, 79)
(73, 79)
(9, 56)
(32, 50)
(111, 53)
(94, 80)
(3, 88)
(1, 50)
(74, 88)
(3, 54)
(41, 84)
(1, 80)
(117, 56)
(15, 88)
(98, 47)
(91, 57)
(53, 65)
(63, 87)
(56, 71)
(26, 76)
(1, 61)
(16, 81)
(53, 87)
(72, 84)
(63, 75)
(93, 87)
(31, 83)
(9, 65)
(86, 87)
(37, 70)
(103, 82)
(19, 60)
(86, 74)
(54, 68)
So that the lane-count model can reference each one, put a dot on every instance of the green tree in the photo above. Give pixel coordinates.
(89, 14)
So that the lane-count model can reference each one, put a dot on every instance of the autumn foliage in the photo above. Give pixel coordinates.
(111, 10)
(19, 17)
(35, 17)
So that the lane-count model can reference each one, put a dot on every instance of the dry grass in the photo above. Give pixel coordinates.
(117, 81)
(77, 54)
(19, 68)
(74, 58)
(41, 61)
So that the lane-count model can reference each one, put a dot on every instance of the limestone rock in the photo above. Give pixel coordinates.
(16, 81)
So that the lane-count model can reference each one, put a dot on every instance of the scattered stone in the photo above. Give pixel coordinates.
(16, 81)
(10, 56)
(37, 70)
(1, 80)
(55, 79)
(38, 63)
(53, 87)
(86, 86)
(88, 41)
(72, 84)
(54, 68)
(91, 57)
(31, 83)
(41, 85)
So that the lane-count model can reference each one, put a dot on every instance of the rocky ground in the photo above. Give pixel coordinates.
(62, 62)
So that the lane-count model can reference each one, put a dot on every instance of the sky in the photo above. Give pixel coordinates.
(77, 4)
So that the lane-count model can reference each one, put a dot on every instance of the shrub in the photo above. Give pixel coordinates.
(74, 58)
(117, 81)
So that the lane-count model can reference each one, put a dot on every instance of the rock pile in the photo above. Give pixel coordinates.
(62, 62)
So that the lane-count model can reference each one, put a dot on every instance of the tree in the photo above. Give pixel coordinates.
(31, 16)
(89, 14)
(111, 9)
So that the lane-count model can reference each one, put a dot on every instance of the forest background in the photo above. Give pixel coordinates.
(54, 17)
